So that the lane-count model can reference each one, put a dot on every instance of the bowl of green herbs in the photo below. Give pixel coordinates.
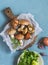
(30, 58)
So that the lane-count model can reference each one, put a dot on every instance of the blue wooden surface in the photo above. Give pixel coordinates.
(39, 8)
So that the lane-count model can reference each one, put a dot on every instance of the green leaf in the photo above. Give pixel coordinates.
(15, 42)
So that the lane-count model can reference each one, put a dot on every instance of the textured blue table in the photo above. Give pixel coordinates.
(39, 8)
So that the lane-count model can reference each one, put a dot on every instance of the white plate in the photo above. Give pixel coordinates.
(40, 59)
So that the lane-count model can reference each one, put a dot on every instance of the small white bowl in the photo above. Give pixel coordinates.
(40, 59)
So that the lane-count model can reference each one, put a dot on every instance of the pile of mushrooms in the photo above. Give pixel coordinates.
(20, 29)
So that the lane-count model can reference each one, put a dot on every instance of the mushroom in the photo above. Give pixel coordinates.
(30, 29)
(27, 36)
(24, 22)
(21, 28)
(25, 30)
(12, 36)
(14, 23)
(19, 36)
(11, 31)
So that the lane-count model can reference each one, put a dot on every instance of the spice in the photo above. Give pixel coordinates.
(40, 44)
(43, 54)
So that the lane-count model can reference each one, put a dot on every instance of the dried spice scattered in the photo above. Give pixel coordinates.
(43, 54)
(40, 44)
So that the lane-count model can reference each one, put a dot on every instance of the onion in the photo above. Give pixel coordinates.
(45, 41)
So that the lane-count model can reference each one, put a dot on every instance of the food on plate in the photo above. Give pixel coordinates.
(28, 58)
(14, 23)
(19, 36)
(24, 22)
(15, 42)
(21, 42)
(31, 29)
(11, 31)
(27, 36)
(20, 30)
(25, 30)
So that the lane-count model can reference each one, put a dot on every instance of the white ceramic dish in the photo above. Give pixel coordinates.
(40, 59)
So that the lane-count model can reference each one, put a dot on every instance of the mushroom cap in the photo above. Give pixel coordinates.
(27, 36)
(24, 22)
(11, 31)
(19, 36)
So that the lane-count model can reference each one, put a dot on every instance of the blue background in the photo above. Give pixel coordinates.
(39, 8)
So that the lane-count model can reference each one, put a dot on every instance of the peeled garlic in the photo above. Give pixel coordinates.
(21, 42)
(12, 36)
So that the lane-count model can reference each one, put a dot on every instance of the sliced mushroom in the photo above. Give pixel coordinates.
(14, 23)
(21, 42)
(27, 36)
(11, 31)
(21, 28)
(24, 22)
(19, 36)
(12, 36)
(30, 29)
(25, 30)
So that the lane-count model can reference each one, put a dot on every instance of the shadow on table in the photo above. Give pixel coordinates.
(3, 45)
(16, 57)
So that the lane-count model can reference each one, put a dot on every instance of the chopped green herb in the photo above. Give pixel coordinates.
(15, 42)
(28, 58)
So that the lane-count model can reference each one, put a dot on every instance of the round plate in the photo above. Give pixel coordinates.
(40, 59)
